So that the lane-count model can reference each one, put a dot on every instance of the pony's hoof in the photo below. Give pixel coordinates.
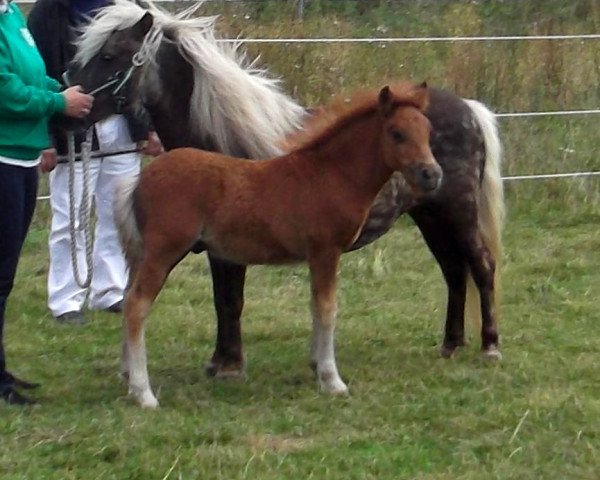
(492, 353)
(334, 387)
(336, 390)
(144, 398)
(218, 370)
(148, 401)
(446, 351)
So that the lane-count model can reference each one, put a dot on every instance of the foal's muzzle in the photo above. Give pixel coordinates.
(428, 176)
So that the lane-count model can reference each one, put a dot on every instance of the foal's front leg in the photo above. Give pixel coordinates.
(323, 271)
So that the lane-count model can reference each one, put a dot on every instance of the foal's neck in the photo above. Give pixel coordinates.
(355, 152)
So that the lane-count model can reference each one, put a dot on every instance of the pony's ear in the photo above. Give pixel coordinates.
(420, 96)
(386, 101)
(141, 28)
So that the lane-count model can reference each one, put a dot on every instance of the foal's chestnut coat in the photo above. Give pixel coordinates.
(308, 206)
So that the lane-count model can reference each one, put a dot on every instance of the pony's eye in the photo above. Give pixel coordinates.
(107, 57)
(398, 136)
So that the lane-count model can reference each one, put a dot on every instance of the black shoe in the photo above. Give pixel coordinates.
(12, 397)
(115, 307)
(74, 318)
(17, 382)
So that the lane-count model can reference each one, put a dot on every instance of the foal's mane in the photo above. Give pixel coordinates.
(237, 106)
(325, 121)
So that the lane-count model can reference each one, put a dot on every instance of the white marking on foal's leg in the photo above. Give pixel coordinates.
(322, 353)
(139, 383)
(327, 371)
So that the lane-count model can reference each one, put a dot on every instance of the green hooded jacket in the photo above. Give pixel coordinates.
(28, 97)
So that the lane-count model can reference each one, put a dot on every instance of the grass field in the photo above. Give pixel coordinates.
(410, 415)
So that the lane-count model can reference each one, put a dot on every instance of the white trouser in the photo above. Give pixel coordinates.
(109, 268)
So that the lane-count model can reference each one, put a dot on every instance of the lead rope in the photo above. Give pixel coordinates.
(85, 207)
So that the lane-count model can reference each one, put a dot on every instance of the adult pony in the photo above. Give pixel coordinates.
(308, 205)
(201, 93)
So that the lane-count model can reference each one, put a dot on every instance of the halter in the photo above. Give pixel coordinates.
(120, 78)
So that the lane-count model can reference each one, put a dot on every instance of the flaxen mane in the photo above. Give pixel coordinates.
(232, 100)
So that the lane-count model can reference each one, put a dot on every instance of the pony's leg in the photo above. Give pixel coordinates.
(323, 271)
(146, 285)
(444, 247)
(228, 290)
(124, 367)
(483, 266)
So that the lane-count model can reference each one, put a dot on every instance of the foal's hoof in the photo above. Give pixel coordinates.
(338, 389)
(492, 353)
(145, 400)
(332, 386)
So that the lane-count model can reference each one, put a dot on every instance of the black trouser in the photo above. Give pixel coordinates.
(18, 191)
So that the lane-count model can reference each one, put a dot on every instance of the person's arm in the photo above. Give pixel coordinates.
(53, 85)
(24, 100)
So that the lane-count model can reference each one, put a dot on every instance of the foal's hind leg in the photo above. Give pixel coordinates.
(149, 279)
(323, 271)
(443, 244)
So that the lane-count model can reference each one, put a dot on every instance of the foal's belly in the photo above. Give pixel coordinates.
(252, 250)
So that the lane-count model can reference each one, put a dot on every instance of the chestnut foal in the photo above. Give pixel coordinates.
(306, 206)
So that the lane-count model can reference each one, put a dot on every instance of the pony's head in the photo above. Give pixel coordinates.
(109, 69)
(405, 137)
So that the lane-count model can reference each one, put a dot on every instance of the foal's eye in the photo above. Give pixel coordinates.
(107, 57)
(398, 136)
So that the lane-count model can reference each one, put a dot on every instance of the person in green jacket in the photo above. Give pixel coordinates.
(28, 97)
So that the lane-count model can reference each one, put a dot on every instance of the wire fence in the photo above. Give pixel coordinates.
(300, 4)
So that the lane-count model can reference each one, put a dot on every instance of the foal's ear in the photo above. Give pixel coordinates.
(420, 96)
(141, 28)
(386, 101)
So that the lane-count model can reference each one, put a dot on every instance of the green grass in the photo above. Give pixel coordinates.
(410, 414)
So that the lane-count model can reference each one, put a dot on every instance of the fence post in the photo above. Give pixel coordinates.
(300, 9)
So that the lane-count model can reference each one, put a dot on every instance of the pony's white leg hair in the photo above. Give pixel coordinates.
(139, 382)
(323, 309)
(491, 211)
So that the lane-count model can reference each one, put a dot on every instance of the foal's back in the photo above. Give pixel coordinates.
(265, 212)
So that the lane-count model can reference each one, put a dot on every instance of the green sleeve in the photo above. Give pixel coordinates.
(53, 84)
(23, 100)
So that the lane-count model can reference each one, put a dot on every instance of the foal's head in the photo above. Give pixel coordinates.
(405, 140)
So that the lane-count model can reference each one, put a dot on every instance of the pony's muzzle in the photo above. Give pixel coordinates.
(429, 176)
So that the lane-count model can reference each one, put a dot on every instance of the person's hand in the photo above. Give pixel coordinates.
(48, 160)
(79, 104)
(152, 146)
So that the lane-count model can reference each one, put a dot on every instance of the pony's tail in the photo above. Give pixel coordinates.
(124, 213)
(491, 211)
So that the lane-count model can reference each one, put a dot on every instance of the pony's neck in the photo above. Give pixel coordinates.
(355, 152)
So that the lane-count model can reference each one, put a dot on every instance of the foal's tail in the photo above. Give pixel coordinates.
(491, 210)
(124, 213)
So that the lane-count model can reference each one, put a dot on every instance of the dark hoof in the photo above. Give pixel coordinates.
(447, 351)
(491, 353)
(221, 370)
